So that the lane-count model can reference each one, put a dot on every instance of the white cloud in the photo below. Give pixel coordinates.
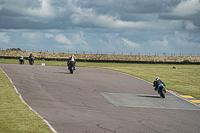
(186, 8)
(107, 46)
(130, 43)
(79, 39)
(183, 45)
(181, 35)
(45, 10)
(55, 31)
(62, 39)
(160, 46)
(90, 17)
(189, 26)
(47, 35)
(160, 43)
(4, 38)
(31, 35)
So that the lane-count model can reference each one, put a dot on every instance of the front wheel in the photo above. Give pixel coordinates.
(71, 70)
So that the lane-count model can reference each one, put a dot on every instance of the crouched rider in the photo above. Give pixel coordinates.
(157, 82)
(71, 60)
(31, 58)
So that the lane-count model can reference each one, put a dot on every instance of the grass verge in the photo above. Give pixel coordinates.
(15, 116)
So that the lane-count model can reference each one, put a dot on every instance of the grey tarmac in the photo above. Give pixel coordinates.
(96, 100)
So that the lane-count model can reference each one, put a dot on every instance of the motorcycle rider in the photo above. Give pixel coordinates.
(157, 82)
(71, 59)
(21, 59)
(31, 58)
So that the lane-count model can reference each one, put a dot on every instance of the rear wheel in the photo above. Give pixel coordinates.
(21, 62)
(162, 93)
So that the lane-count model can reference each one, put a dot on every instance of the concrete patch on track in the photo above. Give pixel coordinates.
(148, 101)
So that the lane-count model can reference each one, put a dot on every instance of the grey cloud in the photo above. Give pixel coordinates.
(2, 2)
(192, 26)
(20, 4)
(76, 13)
(185, 10)
(131, 6)
(21, 23)
(130, 10)
(195, 16)
(7, 12)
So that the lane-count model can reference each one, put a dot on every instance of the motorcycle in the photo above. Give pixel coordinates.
(161, 90)
(31, 61)
(21, 62)
(71, 66)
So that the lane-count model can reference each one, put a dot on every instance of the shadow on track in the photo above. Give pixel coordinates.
(63, 72)
(149, 96)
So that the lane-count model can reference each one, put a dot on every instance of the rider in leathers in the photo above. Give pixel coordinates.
(71, 59)
(21, 59)
(31, 58)
(157, 82)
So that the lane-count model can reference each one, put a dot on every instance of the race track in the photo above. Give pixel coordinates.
(100, 101)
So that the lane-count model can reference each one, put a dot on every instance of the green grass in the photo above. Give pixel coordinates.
(185, 79)
(15, 116)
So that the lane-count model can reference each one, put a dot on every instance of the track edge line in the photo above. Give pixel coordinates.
(27, 104)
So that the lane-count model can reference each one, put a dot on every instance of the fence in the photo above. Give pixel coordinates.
(111, 53)
(108, 61)
(103, 57)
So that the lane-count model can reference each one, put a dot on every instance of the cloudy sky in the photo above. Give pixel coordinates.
(137, 26)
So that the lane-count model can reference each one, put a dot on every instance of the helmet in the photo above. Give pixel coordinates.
(157, 78)
(72, 55)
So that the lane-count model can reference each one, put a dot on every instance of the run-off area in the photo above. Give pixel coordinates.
(148, 101)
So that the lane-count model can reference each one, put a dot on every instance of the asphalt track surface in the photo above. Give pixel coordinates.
(100, 101)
